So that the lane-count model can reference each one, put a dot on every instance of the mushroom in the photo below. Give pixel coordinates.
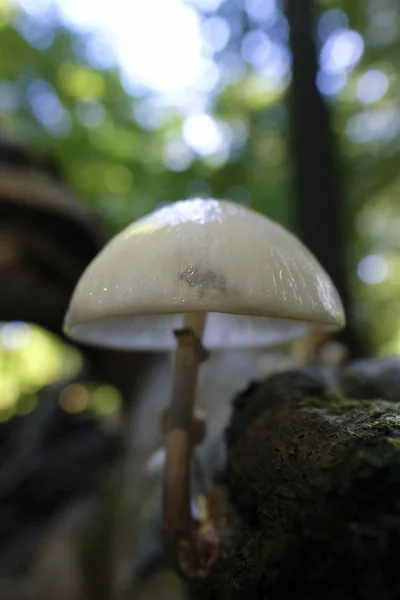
(197, 275)
(46, 237)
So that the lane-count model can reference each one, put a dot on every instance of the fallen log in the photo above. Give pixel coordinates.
(309, 499)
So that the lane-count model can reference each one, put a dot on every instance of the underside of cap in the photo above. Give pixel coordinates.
(220, 331)
(260, 284)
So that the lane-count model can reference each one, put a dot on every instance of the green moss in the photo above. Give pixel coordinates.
(315, 479)
(335, 404)
(395, 442)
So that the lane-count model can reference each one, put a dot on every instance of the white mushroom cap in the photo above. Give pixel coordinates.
(257, 281)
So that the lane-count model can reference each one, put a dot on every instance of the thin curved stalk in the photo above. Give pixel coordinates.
(191, 545)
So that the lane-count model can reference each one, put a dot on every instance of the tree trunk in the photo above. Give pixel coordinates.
(318, 194)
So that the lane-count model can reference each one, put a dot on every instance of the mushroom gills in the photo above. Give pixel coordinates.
(221, 331)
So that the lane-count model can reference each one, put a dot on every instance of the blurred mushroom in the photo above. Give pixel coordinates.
(46, 238)
(193, 275)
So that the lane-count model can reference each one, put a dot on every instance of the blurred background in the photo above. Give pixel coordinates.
(109, 110)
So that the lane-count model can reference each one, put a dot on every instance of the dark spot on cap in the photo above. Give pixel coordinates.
(203, 280)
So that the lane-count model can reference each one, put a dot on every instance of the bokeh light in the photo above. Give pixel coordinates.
(31, 358)
(205, 135)
(262, 11)
(372, 269)
(90, 113)
(383, 27)
(177, 154)
(38, 35)
(374, 125)
(105, 400)
(341, 51)
(330, 84)
(15, 336)
(206, 5)
(329, 22)
(74, 398)
(372, 86)
(216, 32)
(256, 48)
(48, 109)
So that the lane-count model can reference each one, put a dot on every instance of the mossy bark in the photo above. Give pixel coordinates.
(312, 497)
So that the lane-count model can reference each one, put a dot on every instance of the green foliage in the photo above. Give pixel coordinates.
(124, 169)
(109, 159)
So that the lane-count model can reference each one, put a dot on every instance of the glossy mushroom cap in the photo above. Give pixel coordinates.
(259, 283)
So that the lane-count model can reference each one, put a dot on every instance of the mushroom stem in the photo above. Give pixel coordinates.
(191, 546)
